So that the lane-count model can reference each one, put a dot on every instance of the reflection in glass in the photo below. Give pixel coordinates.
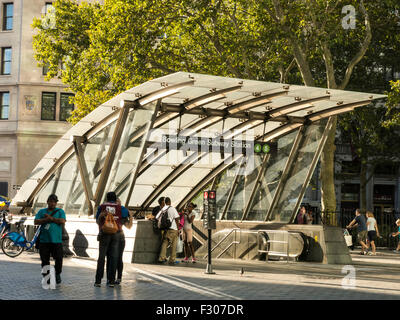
(267, 187)
(298, 171)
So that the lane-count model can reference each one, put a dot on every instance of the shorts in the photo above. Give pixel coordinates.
(362, 236)
(372, 235)
(188, 235)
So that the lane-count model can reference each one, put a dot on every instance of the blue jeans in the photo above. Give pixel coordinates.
(108, 246)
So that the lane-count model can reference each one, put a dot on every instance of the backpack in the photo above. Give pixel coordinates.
(163, 222)
(109, 226)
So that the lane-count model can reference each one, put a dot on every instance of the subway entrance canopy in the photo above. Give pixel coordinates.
(256, 143)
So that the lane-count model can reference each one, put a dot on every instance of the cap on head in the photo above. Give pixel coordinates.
(52, 197)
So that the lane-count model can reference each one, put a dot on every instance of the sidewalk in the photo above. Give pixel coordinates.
(375, 278)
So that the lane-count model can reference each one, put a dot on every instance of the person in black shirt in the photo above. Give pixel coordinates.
(157, 209)
(361, 222)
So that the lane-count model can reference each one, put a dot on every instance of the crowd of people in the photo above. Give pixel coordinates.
(174, 226)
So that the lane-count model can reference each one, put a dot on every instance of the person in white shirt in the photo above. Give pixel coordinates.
(189, 216)
(373, 232)
(170, 236)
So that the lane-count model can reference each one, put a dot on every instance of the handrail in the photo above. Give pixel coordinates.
(232, 243)
(286, 232)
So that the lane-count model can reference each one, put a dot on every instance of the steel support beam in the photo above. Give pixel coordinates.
(312, 167)
(256, 186)
(232, 189)
(123, 116)
(213, 175)
(87, 187)
(289, 162)
(134, 174)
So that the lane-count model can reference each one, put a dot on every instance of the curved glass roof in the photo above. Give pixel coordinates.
(129, 145)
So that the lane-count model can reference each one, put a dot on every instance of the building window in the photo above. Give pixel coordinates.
(45, 69)
(4, 189)
(8, 11)
(6, 54)
(65, 106)
(5, 105)
(49, 105)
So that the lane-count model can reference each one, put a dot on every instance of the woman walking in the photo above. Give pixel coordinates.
(373, 232)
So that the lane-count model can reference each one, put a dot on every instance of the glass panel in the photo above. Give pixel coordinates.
(130, 149)
(48, 106)
(269, 182)
(298, 171)
(246, 183)
(66, 107)
(62, 183)
(5, 105)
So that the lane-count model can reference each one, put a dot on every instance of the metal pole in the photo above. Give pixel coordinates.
(209, 265)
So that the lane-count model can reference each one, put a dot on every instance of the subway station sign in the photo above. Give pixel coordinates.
(230, 146)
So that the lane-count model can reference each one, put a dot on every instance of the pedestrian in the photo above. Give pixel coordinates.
(169, 236)
(51, 220)
(301, 215)
(156, 210)
(309, 217)
(127, 222)
(189, 216)
(361, 223)
(373, 232)
(110, 245)
(394, 234)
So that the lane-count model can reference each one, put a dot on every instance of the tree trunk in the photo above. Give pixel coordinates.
(363, 186)
(328, 196)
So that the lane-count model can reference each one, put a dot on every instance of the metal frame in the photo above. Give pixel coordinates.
(134, 174)
(289, 162)
(256, 186)
(87, 187)
(232, 189)
(212, 175)
(105, 171)
(314, 162)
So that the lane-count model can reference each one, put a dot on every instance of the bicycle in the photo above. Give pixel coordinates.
(14, 243)
(5, 222)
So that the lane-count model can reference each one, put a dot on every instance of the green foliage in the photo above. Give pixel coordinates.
(110, 48)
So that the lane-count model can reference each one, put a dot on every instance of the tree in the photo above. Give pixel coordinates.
(108, 49)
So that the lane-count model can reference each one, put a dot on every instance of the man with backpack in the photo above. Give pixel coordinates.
(168, 221)
(110, 217)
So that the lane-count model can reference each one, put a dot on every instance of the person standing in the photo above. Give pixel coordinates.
(361, 223)
(301, 217)
(51, 220)
(156, 210)
(394, 234)
(169, 236)
(309, 217)
(189, 216)
(373, 232)
(110, 244)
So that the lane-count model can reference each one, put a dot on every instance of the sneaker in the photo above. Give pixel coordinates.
(98, 285)
(111, 284)
(194, 260)
(118, 281)
(172, 263)
(185, 260)
(58, 279)
(161, 261)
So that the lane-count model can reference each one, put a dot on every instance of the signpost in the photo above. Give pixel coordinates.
(210, 221)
